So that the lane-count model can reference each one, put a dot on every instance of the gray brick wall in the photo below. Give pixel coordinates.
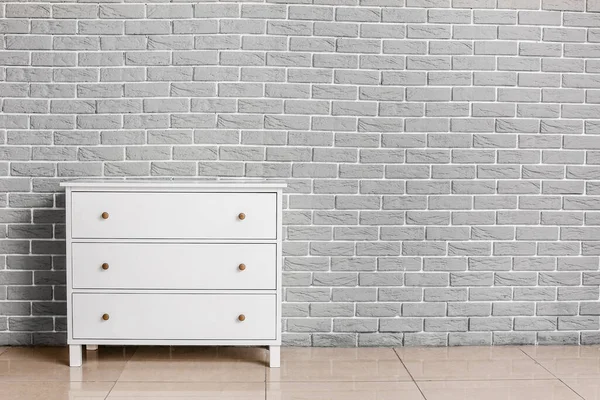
(442, 156)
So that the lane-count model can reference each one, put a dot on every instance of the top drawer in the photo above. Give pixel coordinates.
(139, 215)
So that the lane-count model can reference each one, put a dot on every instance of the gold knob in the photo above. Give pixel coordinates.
(104, 215)
(242, 216)
(242, 317)
(242, 267)
(105, 317)
(105, 266)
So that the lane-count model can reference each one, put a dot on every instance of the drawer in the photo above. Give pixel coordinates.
(121, 215)
(173, 266)
(173, 316)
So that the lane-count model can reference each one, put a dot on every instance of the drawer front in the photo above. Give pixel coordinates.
(174, 316)
(121, 215)
(173, 266)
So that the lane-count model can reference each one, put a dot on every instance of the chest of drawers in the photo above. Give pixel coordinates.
(176, 262)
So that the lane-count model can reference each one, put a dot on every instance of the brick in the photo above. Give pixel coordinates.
(445, 324)
(169, 11)
(296, 28)
(449, 16)
(379, 340)
(376, 30)
(473, 4)
(208, 10)
(535, 323)
(401, 325)
(563, 5)
(425, 339)
(263, 11)
(514, 338)
(514, 309)
(404, 15)
(494, 17)
(578, 323)
(428, 31)
(310, 13)
(535, 264)
(28, 10)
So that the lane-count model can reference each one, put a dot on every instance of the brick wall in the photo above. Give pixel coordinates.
(443, 156)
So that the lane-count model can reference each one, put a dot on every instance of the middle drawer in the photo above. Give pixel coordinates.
(174, 266)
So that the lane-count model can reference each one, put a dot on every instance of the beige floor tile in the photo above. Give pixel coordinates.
(326, 353)
(187, 390)
(470, 363)
(325, 364)
(245, 355)
(562, 352)
(51, 364)
(196, 364)
(192, 371)
(476, 370)
(498, 390)
(343, 391)
(573, 367)
(54, 390)
(568, 361)
(588, 388)
(460, 353)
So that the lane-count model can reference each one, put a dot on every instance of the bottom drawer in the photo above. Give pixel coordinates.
(174, 316)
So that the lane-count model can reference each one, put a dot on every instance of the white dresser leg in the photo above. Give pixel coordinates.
(91, 347)
(75, 356)
(274, 356)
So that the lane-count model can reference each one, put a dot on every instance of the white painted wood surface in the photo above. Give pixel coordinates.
(75, 355)
(274, 356)
(174, 249)
(178, 184)
(174, 266)
(174, 316)
(174, 215)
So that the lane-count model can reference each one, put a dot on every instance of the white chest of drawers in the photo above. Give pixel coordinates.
(179, 262)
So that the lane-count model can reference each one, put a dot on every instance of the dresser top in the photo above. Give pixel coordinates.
(165, 183)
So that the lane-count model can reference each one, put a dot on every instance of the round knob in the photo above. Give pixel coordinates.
(242, 317)
(105, 317)
(105, 266)
(242, 267)
(242, 216)
(104, 215)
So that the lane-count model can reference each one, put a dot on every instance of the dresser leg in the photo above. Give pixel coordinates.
(274, 356)
(75, 356)
(91, 347)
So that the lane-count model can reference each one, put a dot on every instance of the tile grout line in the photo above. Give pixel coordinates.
(111, 389)
(559, 379)
(409, 374)
(125, 366)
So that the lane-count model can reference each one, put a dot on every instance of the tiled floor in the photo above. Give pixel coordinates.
(185, 373)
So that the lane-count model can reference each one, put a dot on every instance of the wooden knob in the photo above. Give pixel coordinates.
(105, 266)
(104, 215)
(242, 267)
(105, 317)
(242, 317)
(242, 216)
